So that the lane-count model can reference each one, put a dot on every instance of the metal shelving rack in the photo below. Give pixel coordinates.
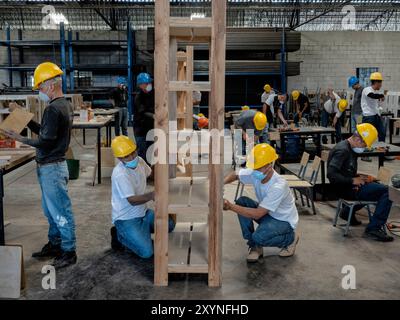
(68, 44)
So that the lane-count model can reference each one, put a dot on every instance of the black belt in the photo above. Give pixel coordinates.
(48, 163)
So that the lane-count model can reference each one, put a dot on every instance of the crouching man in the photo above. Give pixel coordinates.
(133, 220)
(275, 213)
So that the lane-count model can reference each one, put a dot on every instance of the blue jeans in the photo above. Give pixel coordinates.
(135, 234)
(376, 121)
(376, 192)
(270, 231)
(53, 180)
(354, 119)
(325, 121)
(122, 122)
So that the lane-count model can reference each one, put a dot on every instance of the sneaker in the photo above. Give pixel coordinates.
(115, 244)
(254, 254)
(378, 235)
(344, 214)
(290, 250)
(66, 259)
(366, 159)
(49, 250)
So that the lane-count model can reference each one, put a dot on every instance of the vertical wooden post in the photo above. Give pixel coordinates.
(161, 75)
(216, 121)
(172, 102)
(189, 95)
(181, 95)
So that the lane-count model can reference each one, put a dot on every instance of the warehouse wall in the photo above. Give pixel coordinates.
(329, 58)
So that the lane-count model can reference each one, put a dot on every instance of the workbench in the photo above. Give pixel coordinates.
(19, 157)
(101, 112)
(391, 128)
(97, 125)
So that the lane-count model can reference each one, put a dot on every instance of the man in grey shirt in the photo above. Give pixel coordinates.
(356, 111)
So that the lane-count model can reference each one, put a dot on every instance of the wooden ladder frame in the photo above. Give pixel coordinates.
(168, 32)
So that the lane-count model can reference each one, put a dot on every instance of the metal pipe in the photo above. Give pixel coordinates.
(71, 61)
(130, 76)
(63, 58)
(9, 52)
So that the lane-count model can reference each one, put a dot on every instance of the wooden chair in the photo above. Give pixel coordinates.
(384, 175)
(306, 188)
(303, 168)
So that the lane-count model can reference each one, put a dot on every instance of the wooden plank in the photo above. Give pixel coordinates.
(186, 27)
(274, 136)
(299, 184)
(189, 86)
(176, 268)
(161, 73)
(290, 177)
(181, 95)
(17, 120)
(216, 121)
(188, 180)
(189, 95)
(172, 102)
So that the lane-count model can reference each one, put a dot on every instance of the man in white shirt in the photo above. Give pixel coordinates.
(370, 98)
(275, 213)
(334, 106)
(274, 106)
(133, 220)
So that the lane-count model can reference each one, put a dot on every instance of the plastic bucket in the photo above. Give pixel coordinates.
(73, 169)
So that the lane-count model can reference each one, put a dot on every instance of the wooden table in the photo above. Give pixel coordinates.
(98, 125)
(304, 131)
(19, 157)
(391, 128)
(101, 112)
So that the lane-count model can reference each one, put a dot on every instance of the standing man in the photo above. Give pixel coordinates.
(334, 106)
(133, 220)
(120, 97)
(342, 174)
(356, 111)
(370, 98)
(267, 92)
(54, 134)
(275, 212)
(302, 106)
(143, 113)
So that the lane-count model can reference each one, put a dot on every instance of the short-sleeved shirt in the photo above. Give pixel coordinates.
(332, 107)
(275, 196)
(264, 97)
(275, 105)
(125, 183)
(357, 101)
(245, 121)
(302, 100)
(369, 106)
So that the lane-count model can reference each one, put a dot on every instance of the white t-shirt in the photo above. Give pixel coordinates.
(125, 183)
(275, 196)
(264, 97)
(369, 106)
(270, 102)
(332, 107)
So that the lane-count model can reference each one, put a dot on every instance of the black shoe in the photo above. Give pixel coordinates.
(48, 251)
(378, 235)
(115, 244)
(66, 259)
(344, 214)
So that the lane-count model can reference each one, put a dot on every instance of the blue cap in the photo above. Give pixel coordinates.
(121, 80)
(353, 80)
(143, 78)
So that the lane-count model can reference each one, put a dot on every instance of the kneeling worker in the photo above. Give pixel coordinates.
(275, 213)
(133, 220)
(252, 120)
(342, 174)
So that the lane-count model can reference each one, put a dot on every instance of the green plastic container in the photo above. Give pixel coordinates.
(73, 169)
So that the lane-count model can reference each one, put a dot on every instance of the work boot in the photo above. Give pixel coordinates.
(344, 214)
(66, 259)
(290, 250)
(49, 250)
(378, 235)
(115, 244)
(254, 254)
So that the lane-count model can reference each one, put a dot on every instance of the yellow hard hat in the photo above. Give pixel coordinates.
(245, 108)
(261, 155)
(267, 88)
(342, 105)
(368, 133)
(201, 115)
(295, 94)
(376, 76)
(260, 120)
(122, 146)
(45, 71)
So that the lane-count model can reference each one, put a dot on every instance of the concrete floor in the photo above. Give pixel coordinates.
(313, 273)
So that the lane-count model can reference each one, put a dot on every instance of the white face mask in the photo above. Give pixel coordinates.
(358, 150)
(44, 97)
(149, 87)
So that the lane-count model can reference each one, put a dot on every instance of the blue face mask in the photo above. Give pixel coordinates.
(258, 175)
(358, 150)
(44, 97)
(132, 164)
